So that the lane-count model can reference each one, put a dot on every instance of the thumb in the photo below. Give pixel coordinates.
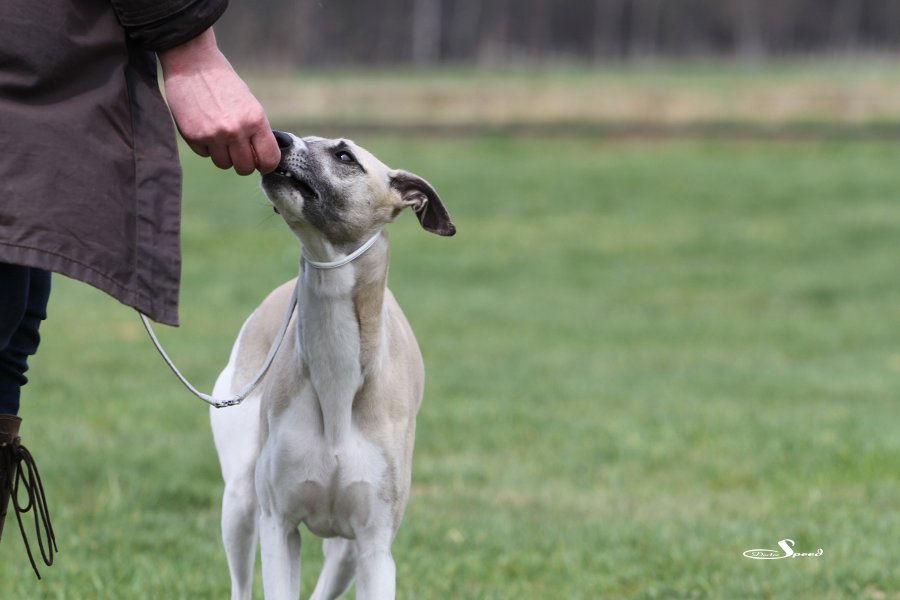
(268, 155)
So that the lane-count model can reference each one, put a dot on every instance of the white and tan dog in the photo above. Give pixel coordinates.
(327, 439)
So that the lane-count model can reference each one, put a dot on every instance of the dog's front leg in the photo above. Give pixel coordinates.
(376, 576)
(280, 544)
(338, 570)
(239, 527)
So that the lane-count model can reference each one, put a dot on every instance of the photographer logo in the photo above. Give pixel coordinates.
(786, 551)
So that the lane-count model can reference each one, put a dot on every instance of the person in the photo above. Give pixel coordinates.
(90, 183)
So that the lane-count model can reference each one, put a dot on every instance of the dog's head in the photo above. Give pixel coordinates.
(344, 193)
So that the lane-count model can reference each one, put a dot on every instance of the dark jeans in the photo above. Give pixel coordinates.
(24, 292)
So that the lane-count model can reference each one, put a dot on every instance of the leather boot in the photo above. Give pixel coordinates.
(9, 433)
(21, 488)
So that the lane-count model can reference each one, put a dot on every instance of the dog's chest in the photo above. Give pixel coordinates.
(335, 490)
(328, 474)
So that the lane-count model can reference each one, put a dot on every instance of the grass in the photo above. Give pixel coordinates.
(643, 359)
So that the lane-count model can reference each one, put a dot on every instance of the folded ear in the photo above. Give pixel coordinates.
(418, 193)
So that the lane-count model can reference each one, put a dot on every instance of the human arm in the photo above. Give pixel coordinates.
(214, 109)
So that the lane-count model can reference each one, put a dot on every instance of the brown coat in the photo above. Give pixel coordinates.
(90, 184)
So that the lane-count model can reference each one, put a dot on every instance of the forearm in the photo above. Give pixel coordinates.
(193, 56)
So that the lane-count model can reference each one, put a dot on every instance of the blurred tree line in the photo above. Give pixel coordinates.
(498, 32)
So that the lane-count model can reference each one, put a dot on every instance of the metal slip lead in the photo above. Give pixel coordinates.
(27, 475)
(248, 389)
(276, 344)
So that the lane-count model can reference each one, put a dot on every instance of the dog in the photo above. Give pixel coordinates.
(327, 439)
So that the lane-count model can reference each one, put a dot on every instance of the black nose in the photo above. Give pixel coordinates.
(285, 140)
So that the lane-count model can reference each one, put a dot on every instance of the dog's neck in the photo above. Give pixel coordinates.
(340, 332)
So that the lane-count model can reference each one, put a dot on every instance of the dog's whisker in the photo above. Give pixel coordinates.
(266, 219)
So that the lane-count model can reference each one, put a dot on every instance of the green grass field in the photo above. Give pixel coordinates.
(643, 359)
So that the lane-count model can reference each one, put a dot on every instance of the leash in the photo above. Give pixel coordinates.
(28, 479)
(247, 389)
(292, 304)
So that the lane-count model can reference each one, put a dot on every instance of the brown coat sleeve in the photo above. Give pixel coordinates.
(162, 24)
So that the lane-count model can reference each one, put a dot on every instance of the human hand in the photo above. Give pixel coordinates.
(214, 109)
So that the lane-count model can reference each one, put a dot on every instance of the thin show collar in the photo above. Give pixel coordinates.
(347, 259)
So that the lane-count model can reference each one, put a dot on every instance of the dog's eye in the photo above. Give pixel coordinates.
(345, 156)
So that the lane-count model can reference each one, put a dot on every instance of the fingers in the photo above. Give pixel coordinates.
(220, 156)
(245, 154)
(242, 158)
(199, 149)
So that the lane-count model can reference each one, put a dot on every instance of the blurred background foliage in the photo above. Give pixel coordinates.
(721, 68)
(325, 33)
